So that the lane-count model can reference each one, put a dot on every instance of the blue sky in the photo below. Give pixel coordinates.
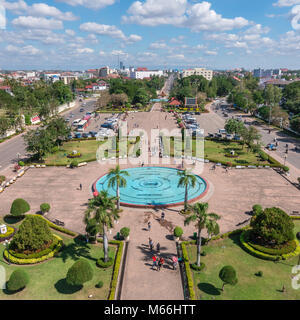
(81, 34)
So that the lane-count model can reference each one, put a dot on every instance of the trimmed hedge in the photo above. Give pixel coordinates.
(39, 254)
(18, 280)
(101, 264)
(188, 272)
(56, 227)
(288, 248)
(19, 207)
(118, 259)
(196, 268)
(266, 256)
(20, 261)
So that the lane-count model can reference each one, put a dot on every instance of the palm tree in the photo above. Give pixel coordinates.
(116, 177)
(186, 179)
(102, 209)
(203, 221)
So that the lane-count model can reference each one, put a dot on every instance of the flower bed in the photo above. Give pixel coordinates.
(34, 258)
(9, 234)
(74, 155)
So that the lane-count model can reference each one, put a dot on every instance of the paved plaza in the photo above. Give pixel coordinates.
(231, 195)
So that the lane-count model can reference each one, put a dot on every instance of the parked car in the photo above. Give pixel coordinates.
(226, 115)
(93, 133)
(210, 135)
(67, 120)
(86, 135)
(78, 135)
(228, 136)
(237, 137)
(81, 109)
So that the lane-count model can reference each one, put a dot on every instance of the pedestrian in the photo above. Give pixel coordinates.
(160, 263)
(154, 262)
(175, 262)
(162, 216)
(150, 243)
(158, 248)
(149, 226)
(80, 186)
(142, 163)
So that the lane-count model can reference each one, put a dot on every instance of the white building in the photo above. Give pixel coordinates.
(52, 77)
(141, 74)
(207, 74)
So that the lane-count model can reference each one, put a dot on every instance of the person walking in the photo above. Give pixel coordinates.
(175, 262)
(149, 226)
(154, 262)
(158, 248)
(162, 216)
(80, 187)
(151, 245)
(160, 263)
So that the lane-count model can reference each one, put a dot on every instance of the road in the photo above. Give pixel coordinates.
(10, 148)
(293, 157)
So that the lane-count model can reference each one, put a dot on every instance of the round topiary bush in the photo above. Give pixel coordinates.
(18, 280)
(101, 264)
(19, 207)
(228, 276)
(2, 179)
(178, 232)
(99, 284)
(125, 232)
(21, 163)
(272, 227)
(198, 268)
(286, 169)
(257, 208)
(45, 207)
(33, 235)
(79, 273)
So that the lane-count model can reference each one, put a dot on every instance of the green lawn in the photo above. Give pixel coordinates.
(87, 148)
(249, 287)
(216, 151)
(47, 279)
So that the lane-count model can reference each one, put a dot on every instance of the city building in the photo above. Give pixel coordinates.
(142, 73)
(269, 73)
(207, 74)
(104, 72)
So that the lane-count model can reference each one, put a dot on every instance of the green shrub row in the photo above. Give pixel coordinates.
(40, 254)
(265, 256)
(118, 259)
(288, 248)
(56, 227)
(19, 261)
(196, 268)
(101, 264)
(188, 271)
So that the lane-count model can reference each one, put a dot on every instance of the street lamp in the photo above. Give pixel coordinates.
(7, 248)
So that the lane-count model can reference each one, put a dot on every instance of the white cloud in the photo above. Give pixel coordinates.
(2, 17)
(84, 50)
(108, 30)
(70, 32)
(26, 50)
(37, 23)
(211, 53)
(197, 17)
(179, 39)
(156, 12)
(202, 18)
(158, 45)
(286, 3)
(176, 57)
(95, 4)
(39, 10)
(257, 29)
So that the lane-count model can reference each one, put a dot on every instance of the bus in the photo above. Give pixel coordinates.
(82, 125)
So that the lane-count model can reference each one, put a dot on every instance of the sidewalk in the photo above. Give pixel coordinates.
(294, 172)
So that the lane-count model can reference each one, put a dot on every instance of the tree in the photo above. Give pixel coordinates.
(58, 130)
(272, 226)
(234, 126)
(18, 280)
(80, 272)
(272, 95)
(213, 228)
(186, 180)
(33, 234)
(203, 221)
(103, 100)
(116, 179)
(45, 207)
(119, 99)
(228, 276)
(295, 124)
(250, 135)
(4, 125)
(102, 209)
(19, 207)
